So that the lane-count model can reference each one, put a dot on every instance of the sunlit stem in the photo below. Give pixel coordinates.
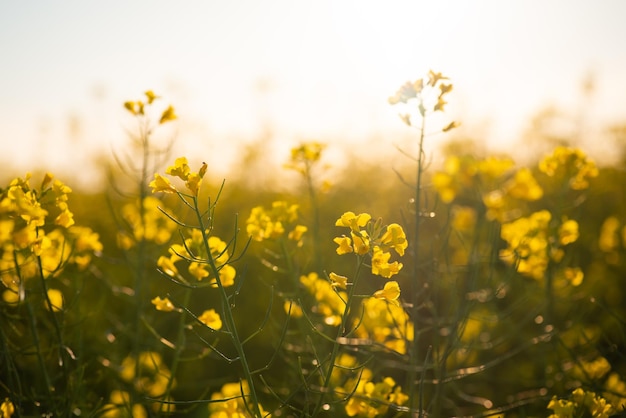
(228, 314)
(341, 332)
(142, 244)
(414, 347)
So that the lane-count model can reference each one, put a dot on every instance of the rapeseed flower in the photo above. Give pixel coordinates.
(211, 319)
(229, 401)
(7, 409)
(390, 293)
(164, 305)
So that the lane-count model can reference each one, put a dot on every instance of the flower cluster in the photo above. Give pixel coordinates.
(367, 397)
(304, 156)
(120, 406)
(384, 323)
(331, 303)
(371, 238)
(429, 92)
(137, 108)
(581, 401)
(230, 402)
(570, 164)
(272, 223)
(150, 377)
(491, 178)
(38, 237)
(532, 242)
(181, 170)
(146, 222)
(193, 252)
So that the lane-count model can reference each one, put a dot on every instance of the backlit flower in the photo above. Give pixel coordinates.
(161, 184)
(211, 319)
(345, 245)
(338, 281)
(164, 305)
(352, 221)
(390, 292)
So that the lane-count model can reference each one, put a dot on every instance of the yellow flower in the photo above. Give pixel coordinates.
(390, 293)
(338, 281)
(434, 77)
(211, 319)
(164, 305)
(352, 221)
(7, 409)
(451, 126)
(227, 276)
(168, 115)
(198, 270)
(568, 232)
(180, 169)
(293, 308)
(193, 183)
(151, 96)
(360, 242)
(167, 266)
(407, 92)
(161, 184)
(297, 232)
(345, 245)
(65, 219)
(56, 300)
(524, 186)
(381, 265)
(130, 106)
(562, 408)
(395, 238)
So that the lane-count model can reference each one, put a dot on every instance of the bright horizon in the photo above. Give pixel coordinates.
(319, 71)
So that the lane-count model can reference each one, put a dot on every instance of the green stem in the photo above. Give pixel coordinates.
(414, 347)
(341, 331)
(180, 344)
(229, 320)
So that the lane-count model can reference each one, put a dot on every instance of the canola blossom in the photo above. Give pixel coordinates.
(367, 238)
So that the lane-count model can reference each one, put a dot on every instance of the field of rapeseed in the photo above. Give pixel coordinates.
(478, 288)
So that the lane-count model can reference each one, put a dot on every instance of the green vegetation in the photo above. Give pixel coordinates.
(480, 288)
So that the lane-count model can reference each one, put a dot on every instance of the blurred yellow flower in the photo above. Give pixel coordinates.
(568, 232)
(211, 319)
(151, 96)
(390, 292)
(6, 408)
(161, 184)
(337, 281)
(164, 305)
(198, 270)
(168, 115)
(55, 298)
(524, 186)
(180, 169)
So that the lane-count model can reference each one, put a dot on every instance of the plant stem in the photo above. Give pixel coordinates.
(414, 347)
(227, 311)
(341, 331)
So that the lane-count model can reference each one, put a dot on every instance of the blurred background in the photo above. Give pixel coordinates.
(266, 75)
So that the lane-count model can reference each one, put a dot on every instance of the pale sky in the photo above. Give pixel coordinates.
(311, 70)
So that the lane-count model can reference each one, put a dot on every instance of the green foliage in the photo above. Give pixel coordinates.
(488, 290)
